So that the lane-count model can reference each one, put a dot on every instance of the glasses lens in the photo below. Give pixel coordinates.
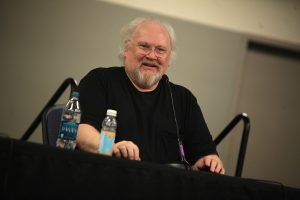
(146, 49)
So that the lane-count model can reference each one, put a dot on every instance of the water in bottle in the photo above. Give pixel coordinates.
(70, 120)
(108, 133)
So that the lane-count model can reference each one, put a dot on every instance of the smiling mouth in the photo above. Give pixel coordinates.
(150, 65)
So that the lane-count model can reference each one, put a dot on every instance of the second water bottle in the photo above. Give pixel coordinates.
(108, 133)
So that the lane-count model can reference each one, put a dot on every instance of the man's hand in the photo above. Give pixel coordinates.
(126, 149)
(212, 162)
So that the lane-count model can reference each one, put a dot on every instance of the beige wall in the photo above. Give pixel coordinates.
(272, 19)
(270, 94)
(43, 42)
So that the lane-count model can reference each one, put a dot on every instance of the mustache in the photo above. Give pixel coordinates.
(150, 63)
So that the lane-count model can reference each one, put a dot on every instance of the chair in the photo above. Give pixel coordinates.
(51, 124)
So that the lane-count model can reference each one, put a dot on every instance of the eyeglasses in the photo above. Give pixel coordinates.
(158, 51)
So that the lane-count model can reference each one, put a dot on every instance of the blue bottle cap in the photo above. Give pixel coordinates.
(75, 94)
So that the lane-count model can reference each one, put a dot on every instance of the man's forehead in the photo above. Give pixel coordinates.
(151, 30)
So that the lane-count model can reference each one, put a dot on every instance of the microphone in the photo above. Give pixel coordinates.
(183, 160)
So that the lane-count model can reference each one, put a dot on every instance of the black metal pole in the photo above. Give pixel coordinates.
(244, 140)
(243, 147)
(51, 102)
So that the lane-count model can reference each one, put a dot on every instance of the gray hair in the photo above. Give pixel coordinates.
(127, 31)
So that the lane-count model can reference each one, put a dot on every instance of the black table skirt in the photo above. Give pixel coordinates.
(30, 170)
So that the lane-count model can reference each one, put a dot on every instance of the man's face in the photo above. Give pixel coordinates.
(147, 55)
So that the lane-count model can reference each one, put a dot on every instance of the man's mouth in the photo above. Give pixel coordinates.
(150, 64)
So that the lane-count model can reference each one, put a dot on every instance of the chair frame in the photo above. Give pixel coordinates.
(45, 122)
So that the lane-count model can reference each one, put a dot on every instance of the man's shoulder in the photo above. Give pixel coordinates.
(181, 92)
(180, 88)
(105, 73)
(107, 70)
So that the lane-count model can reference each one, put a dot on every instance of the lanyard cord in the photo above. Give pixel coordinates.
(182, 155)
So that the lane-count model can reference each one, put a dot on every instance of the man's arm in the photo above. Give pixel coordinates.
(88, 140)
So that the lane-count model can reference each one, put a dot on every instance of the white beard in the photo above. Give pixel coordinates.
(145, 80)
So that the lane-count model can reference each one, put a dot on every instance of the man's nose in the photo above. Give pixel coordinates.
(151, 54)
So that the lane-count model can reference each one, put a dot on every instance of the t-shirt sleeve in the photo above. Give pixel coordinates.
(92, 99)
(197, 139)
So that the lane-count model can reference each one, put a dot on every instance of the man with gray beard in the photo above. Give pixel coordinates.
(156, 118)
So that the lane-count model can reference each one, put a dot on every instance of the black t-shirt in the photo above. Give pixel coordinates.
(146, 118)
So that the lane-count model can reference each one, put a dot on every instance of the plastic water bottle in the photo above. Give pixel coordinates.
(70, 120)
(108, 133)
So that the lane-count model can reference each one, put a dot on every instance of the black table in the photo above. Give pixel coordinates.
(29, 170)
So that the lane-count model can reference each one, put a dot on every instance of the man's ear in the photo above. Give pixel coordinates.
(126, 46)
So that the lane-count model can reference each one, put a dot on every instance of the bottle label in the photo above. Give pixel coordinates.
(107, 139)
(68, 130)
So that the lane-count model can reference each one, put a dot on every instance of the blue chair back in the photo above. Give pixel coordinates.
(51, 124)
